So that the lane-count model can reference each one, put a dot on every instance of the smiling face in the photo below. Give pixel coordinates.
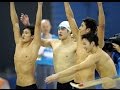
(26, 35)
(87, 45)
(90, 41)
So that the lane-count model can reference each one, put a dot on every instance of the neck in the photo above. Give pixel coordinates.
(67, 40)
(95, 48)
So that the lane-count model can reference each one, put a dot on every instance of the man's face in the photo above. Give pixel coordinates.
(87, 45)
(26, 35)
(45, 26)
(63, 33)
(116, 46)
(83, 29)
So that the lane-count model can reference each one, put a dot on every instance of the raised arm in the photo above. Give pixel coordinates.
(37, 32)
(46, 42)
(71, 19)
(101, 25)
(15, 22)
(25, 19)
(89, 61)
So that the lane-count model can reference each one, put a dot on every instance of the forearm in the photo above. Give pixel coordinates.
(101, 26)
(70, 17)
(15, 22)
(68, 10)
(13, 13)
(101, 41)
(39, 14)
(88, 62)
(68, 71)
(85, 64)
(38, 22)
(101, 18)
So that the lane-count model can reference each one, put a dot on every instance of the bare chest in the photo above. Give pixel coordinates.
(64, 51)
(81, 54)
(24, 54)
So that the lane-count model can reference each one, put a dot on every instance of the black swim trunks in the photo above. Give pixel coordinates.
(34, 86)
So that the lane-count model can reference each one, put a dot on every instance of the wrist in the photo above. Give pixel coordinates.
(28, 24)
(99, 5)
(58, 75)
(40, 3)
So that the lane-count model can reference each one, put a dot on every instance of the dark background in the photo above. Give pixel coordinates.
(7, 46)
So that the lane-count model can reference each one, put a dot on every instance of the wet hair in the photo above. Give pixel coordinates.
(91, 23)
(91, 38)
(31, 28)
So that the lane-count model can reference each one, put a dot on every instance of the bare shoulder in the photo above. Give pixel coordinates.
(103, 53)
(94, 56)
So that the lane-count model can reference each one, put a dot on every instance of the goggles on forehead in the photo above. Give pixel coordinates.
(61, 28)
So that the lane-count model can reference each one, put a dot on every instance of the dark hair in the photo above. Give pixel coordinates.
(91, 23)
(116, 41)
(31, 28)
(91, 37)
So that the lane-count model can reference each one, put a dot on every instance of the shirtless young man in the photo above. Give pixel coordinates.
(103, 61)
(44, 63)
(26, 51)
(88, 26)
(64, 50)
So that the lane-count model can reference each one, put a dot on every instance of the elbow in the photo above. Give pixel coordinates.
(101, 44)
(15, 25)
(14, 22)
(38, 24)
(69, 15)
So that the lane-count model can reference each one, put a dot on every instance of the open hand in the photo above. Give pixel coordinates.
(24, 19)
(51, 78)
